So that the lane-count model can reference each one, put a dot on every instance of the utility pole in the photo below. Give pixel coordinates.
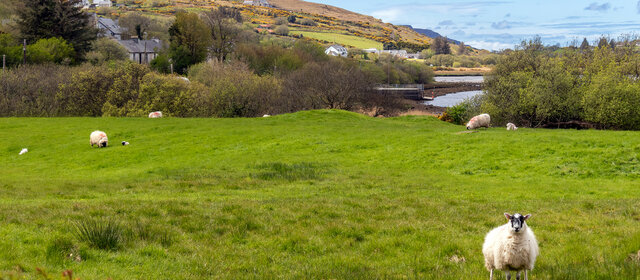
(24, 52)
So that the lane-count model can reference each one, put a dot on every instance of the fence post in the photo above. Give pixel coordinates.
(4, 62)
(171, 68)
(24, 52)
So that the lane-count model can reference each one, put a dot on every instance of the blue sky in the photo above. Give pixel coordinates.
(495, 25)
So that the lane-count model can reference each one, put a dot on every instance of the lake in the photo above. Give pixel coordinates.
(452, 99)
(459, 79)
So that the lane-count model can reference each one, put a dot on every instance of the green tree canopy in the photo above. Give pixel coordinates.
(41, 19)
(190, 39)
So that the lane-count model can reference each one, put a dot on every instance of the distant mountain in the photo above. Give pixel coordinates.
(431, 34)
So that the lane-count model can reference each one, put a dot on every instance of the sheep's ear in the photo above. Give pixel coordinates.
(508, 216)
(527, 217)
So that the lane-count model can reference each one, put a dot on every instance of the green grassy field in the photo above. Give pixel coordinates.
(342, 39)
(310, 195)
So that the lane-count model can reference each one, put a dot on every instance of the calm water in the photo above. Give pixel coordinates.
(460, 79)
(452, 99)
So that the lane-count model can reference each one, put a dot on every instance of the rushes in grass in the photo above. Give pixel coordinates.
(290, 172)
(101, 234)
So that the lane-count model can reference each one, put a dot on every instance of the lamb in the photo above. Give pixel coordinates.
(155, 115)
(511, 247)
(479, 121)
(266, 116)
(511, 126)
(23, 151)
(98, 138)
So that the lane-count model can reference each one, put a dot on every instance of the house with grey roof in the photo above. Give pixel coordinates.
(110, 28)
(337, 50)
(142, 51)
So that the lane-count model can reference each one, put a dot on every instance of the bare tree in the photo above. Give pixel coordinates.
(333, 84)
(224, 32)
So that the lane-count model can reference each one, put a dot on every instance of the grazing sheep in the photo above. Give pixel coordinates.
(124, 143)
(479, 121)
(511, 126)
(155, 115)
(98, 138)
(266, 116)
(23, 151)
(511, 247)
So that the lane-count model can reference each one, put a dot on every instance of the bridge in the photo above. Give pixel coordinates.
(409, 91)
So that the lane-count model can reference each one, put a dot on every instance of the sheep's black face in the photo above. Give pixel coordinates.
(103, 144)
(516, 221)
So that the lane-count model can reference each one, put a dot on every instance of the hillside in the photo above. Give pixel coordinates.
(310, 195)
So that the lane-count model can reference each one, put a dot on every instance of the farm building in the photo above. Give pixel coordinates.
(261, 3)
(337, 50)
(110, 28)
(96, 3)
(142, 51)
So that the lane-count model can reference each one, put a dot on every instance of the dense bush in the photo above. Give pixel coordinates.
(30, 90)
(536, 86)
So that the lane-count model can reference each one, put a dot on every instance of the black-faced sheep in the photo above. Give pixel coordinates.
(511, 247)
(98, 138)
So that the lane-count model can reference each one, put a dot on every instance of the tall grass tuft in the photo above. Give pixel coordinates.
(290, 172)
(102, 234)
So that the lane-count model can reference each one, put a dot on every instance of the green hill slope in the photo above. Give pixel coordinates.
(317, 195)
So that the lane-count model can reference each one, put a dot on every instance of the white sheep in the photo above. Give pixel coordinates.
(155, 115)
(23, 151)
(511, 247)
(511, 126)
(479, 121)
(98, 138)
(266, 116)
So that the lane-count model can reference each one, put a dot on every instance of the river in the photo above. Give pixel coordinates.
(456, 98)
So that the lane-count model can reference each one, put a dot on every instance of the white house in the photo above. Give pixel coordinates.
(396, 53)
(337, 50)
(96, 3)
(262, 3)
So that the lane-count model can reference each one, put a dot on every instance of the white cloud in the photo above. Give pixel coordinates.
(388, 15)
(492, 46)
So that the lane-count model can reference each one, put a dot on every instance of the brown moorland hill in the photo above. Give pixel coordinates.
(405, 33)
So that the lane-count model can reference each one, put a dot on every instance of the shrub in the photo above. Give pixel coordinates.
(308, 22)
(455, 114)
(233, 90)
(102, 234)
(55, 50)
(109, 49)
(30, 90)
(282, 30)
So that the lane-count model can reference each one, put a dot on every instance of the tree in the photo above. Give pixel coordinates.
(334, 84)
(190, 39)
(462, 49)
(224, 32)
(135, 22)
(585, 45)
(603, 42)
(441, 45)
(54, 50)
(282, 30)
(105, 49)
(612, 44)
(291, 19)
(41, 19)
